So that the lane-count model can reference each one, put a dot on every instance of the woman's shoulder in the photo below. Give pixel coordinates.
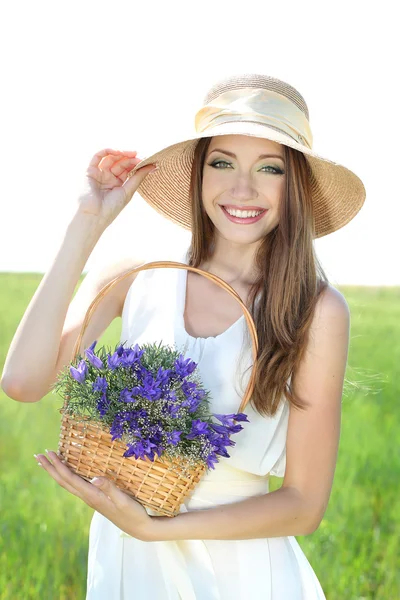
(105, 272)
(332, 300)
(102, 274)
(331, 309)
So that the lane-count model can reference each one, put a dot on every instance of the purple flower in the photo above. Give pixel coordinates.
(141, 414)
(198, 428)
(163, 376)
(173, 437)
(103, 404)
(241, 417)
(149, 388)
(155, 436)
(189, 388)
(120, 350)
(117, 427)
(235, 428)
(170, 396)
(131, 356)
(131, 420)
(228, 419)
(149, 448)
(93, 359)
(141, 449)
(193, 394)
(211, 460)
(184, 367)
(79, 373)
(222, 451)
(219, 442)
(113, 360)
(100, 385)
(228, 422)
(127, 395)
(173, 410)
(191, 403)
(220, 428)
(135, 450)
(194, 404)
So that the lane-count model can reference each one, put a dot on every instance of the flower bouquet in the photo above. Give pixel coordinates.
(140, 416)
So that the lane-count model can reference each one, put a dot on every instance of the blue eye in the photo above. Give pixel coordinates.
(276, 170)
(220, 164)
(223, 164)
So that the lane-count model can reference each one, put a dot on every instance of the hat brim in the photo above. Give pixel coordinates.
(337, 193)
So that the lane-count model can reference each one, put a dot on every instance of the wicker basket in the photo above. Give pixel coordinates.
(163, 484)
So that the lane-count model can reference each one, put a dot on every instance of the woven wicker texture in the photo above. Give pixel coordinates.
(337, 193)
(88, 448)
(89, 451)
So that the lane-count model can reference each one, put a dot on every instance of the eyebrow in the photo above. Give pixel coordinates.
(259, 158)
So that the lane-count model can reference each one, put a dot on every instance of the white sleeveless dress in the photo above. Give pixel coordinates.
(121, 567)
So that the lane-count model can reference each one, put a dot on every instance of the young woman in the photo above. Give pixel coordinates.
(255, 195)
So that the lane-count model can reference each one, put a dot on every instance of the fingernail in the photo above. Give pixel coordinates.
(154, 169)
(96, 481)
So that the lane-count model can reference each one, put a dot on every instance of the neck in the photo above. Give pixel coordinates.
(233, 262)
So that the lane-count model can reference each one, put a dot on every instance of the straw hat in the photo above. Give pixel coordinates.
(264, 107)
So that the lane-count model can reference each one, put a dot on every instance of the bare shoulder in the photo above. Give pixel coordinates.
(332, 310)
(332, 299)
(109, 307)
(100, 275)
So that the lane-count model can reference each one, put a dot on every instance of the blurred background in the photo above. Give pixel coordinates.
(81, 76)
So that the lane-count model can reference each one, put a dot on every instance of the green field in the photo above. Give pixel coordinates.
(355, 551)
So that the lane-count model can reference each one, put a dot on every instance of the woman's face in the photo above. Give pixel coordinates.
(243, 182)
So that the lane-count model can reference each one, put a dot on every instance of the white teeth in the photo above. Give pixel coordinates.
(243, 214)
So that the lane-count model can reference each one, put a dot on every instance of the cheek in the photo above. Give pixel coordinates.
(273, 189)
(212, 187)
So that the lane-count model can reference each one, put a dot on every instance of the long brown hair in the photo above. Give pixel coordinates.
(289, 283)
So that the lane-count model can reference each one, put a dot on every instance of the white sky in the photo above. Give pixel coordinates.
(87, 75)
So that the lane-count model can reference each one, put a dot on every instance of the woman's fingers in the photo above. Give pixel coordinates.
(118, 166)
(108, 156)
(130, 153)
(52, 471)
(96, 159)
(72, 482)
(132, 183)
(122, 167)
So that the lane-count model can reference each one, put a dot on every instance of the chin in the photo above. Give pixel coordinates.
(240, 237)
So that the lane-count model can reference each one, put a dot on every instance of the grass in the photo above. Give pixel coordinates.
(44, 529)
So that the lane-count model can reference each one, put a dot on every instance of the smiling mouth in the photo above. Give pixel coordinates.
(248, 215)
(243, 214)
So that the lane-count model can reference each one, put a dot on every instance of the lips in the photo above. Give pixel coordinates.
(243, 208)
(246, 220)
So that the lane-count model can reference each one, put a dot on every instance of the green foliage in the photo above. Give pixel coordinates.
(354, 552)
(81, 401)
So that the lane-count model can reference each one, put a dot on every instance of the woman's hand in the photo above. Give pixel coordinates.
(104, 497)
(106, 189)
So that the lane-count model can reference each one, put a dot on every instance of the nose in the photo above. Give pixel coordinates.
(243, 188)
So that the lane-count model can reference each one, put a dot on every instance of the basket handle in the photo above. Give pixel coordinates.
(178, 265)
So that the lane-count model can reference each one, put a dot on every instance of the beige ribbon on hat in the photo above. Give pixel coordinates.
(264, 107)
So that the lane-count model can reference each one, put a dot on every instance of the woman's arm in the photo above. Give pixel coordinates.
(298, 507)
(44, 340)
(31, 360)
